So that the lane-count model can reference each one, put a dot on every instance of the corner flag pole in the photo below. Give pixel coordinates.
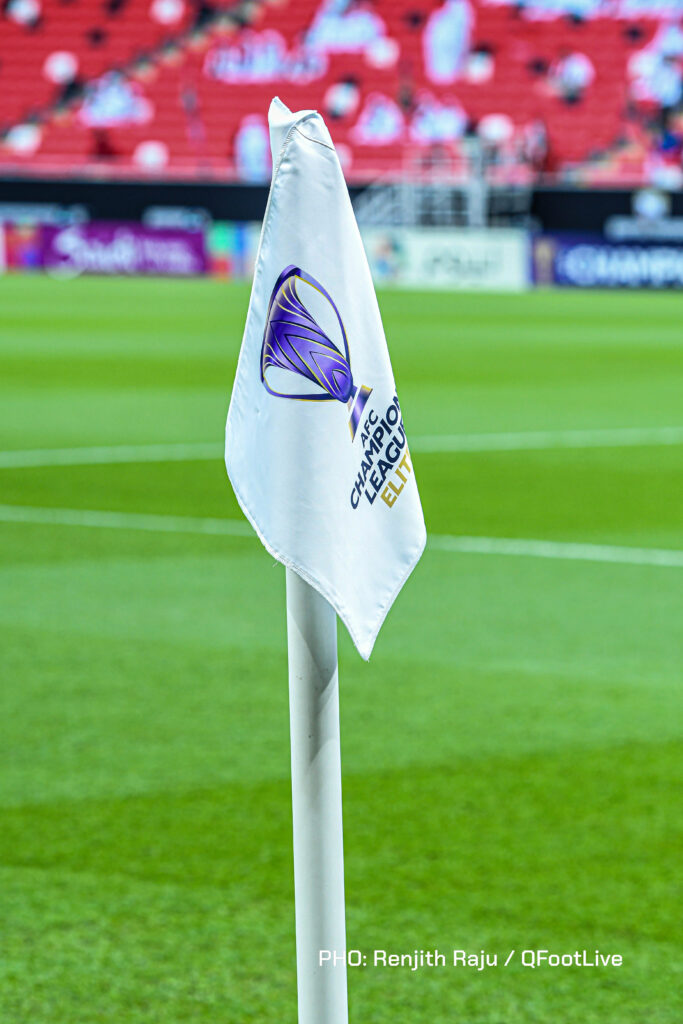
(316, 804)
(304, 486)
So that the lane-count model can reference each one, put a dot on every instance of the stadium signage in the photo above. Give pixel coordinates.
(122, 248)
(259, 57)
(496, 259)
(587, 262)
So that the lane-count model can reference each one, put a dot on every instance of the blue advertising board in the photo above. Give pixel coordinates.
(585, 261)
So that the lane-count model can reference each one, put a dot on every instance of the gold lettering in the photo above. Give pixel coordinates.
(391, 491)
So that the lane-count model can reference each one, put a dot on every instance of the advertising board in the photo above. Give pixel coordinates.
(496, 259)
(585, 261)
(114, 247)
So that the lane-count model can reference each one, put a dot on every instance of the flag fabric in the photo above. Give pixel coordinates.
(316, 447)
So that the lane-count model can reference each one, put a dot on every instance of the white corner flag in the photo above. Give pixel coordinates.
(315, 444)
(317, 454)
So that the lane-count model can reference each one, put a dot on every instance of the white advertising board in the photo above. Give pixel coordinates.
(496, 259)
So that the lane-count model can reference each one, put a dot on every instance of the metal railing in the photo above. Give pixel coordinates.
(467, 187)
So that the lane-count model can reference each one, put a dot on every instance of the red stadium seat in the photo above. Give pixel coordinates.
(197, 117)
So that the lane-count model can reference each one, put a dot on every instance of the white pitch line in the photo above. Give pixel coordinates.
(618, 437)
(622, 437)
(525, 548)
(566, 550)
(124, 521)
(104, 455)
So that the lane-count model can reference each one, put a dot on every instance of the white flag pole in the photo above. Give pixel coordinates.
(316, 805)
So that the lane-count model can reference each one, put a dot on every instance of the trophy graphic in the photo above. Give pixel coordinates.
(301, 325)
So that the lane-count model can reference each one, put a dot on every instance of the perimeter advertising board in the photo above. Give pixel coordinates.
(585, 261)
(122, 248)
(496, 259)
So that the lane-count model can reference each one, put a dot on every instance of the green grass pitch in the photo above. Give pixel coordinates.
(511, 769)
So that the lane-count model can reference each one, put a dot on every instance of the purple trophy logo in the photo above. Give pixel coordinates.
(298, 339)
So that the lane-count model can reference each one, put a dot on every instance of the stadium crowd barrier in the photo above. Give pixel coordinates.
(494, 259)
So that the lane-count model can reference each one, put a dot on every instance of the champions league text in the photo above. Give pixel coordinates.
(385, 454)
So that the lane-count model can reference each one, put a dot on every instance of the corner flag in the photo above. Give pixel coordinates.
(316, 448)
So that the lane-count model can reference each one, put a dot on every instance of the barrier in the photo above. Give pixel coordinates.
(104, 247)
(122, 248)
(585, 261)
(496, 259)
(444, 258)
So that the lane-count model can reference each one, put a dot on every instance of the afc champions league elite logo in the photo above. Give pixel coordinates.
(305, 356)
(305, 347)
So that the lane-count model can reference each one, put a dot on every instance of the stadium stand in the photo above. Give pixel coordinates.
(586, 90)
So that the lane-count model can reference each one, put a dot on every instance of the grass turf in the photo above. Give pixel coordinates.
(511, 769)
